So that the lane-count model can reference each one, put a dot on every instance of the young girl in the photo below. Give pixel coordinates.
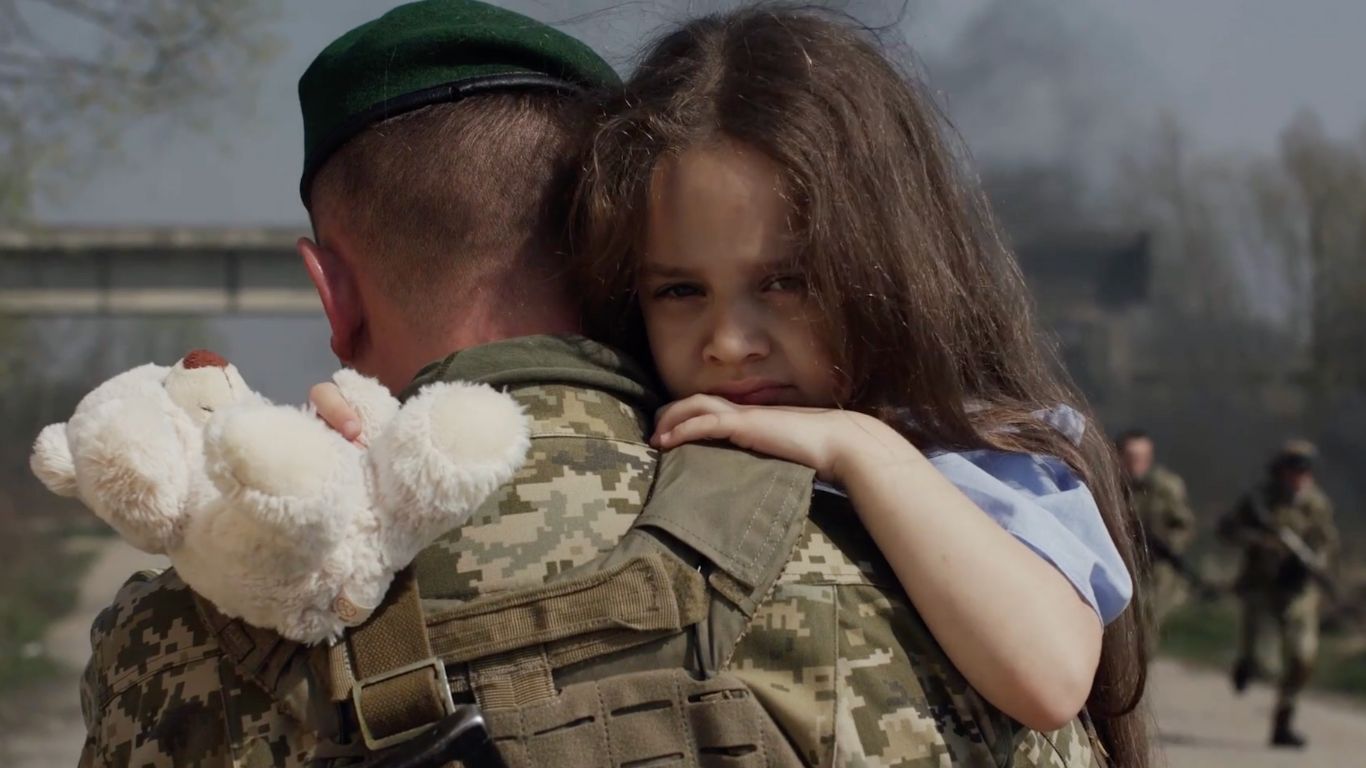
(771, 215)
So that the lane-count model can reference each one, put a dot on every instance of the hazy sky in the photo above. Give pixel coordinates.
(1233, 70)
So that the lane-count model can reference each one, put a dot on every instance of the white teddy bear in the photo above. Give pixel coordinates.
(264, 510)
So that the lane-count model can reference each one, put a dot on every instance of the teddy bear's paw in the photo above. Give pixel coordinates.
(374, 405)
(132, 470)
(348, 612)
(280, 466)
(51, 460)
(448, 449)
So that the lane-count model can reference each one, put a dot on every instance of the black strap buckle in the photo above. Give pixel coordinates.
(461, 736)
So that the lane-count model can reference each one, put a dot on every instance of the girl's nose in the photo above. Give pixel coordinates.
(736, 338)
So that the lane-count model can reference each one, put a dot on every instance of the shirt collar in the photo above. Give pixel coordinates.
(540, 360)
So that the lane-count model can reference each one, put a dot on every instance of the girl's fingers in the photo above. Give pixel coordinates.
(670, 416)
(334, 410)
(704, 426)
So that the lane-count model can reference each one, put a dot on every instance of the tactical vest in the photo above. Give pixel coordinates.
(620, 663)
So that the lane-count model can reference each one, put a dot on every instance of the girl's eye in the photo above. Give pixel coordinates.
(677, 291)
(786, 284)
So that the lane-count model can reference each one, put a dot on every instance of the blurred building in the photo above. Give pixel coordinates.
(150, 271)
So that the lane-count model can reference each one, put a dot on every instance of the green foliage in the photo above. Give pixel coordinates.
(41, 577)
(1343, 673)
(1207, 633)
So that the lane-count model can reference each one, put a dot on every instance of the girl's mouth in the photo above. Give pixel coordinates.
(753, 392)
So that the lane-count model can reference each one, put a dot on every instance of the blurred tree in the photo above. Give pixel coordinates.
(1259, 306)
(1217, 375)
(1325, 212)
(74, 73)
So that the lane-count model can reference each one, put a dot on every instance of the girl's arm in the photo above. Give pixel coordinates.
(1010, 621)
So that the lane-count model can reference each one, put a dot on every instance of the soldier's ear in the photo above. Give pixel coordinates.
(336, 284)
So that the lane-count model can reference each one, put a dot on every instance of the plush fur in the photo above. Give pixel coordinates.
(263, 509)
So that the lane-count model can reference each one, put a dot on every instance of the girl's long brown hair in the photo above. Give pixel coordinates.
(927, 312)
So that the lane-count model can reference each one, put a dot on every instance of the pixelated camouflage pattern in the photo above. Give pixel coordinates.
(852, 675)
(1295, 621)
(1160, 502)
(1290, 608)
(836, 654)
(585, 480)
(1308, 513)
(159, 692)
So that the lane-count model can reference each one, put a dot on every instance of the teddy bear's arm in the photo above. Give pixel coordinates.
(51, 460)
(285, 470)
(373, 404)
(448, 449)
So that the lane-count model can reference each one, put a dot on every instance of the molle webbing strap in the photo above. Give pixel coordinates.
(398, 687)
(512, 680)
(643, 595)
(514, 641)
(654, 718)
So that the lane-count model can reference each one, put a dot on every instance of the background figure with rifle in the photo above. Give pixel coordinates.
(1285, 528)
(1158, 497)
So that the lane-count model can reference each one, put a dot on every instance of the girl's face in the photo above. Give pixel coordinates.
(724, 300)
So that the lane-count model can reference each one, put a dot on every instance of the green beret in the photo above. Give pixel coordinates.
(1296, 456)
(428, 52)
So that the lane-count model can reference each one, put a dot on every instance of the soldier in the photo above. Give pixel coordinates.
(1285, 527)
(1158, 496)
(609, 605)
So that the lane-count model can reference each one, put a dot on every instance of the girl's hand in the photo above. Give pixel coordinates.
(335, 412)
(824, 439)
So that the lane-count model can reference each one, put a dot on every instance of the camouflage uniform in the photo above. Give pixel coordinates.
(1273, 585)
(1159, 501)
(835, 654)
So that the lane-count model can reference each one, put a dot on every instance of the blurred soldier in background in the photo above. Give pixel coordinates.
(1158, 496)
(1285, 528)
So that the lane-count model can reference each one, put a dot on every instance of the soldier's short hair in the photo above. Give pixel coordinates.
(450, 189)
(1130, 435)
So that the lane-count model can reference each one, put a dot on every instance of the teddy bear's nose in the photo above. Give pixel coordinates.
(204, 358)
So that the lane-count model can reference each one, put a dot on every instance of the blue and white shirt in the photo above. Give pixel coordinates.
(1042, 503)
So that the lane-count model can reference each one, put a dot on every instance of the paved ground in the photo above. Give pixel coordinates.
(1200, 722)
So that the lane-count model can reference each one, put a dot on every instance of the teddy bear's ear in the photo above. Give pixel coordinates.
(51, 460)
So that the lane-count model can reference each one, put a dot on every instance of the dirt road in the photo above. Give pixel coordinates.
(1201, 723)
(43, 728)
